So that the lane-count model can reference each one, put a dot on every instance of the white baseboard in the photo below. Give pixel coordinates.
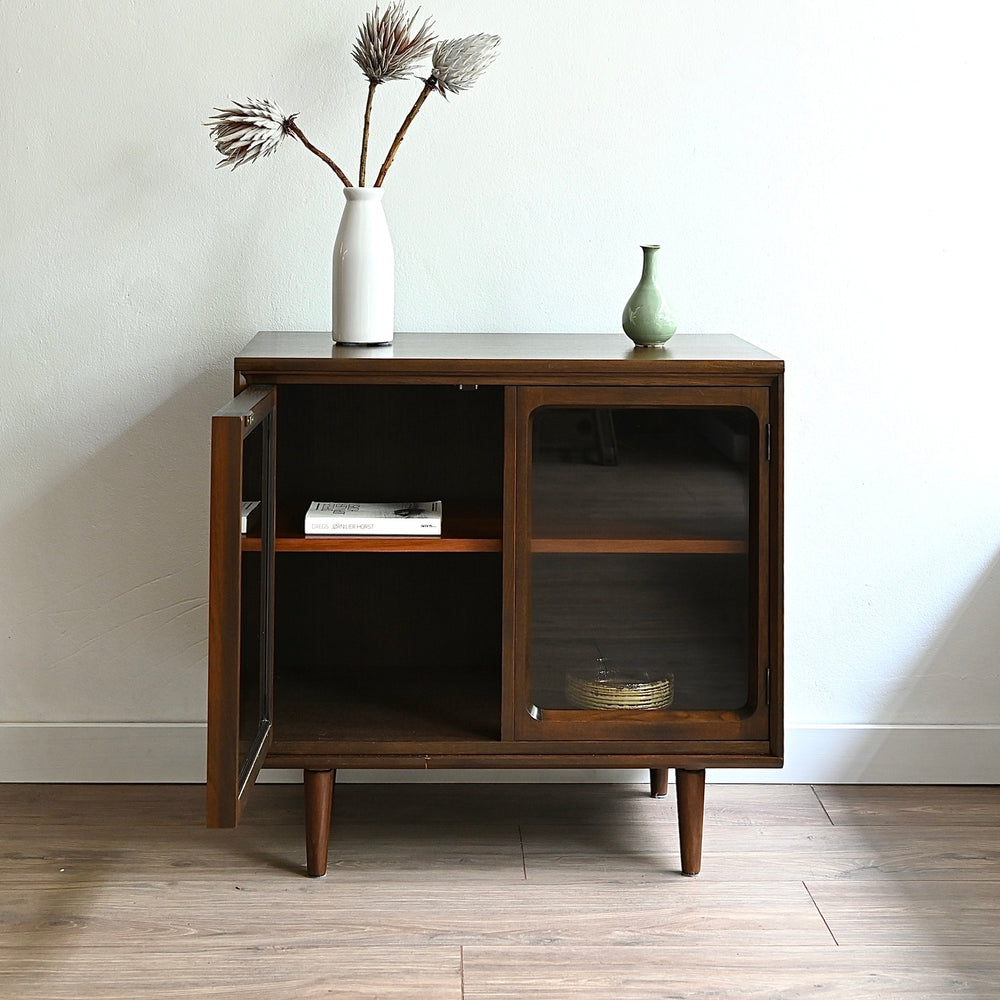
(814, 754)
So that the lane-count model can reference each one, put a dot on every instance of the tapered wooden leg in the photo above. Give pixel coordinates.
(319, 804)
(658, 781)
(691, 818)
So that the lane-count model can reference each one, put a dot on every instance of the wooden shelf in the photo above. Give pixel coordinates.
(467, 529)
(639, 544)
(383, 543)
(317, 707)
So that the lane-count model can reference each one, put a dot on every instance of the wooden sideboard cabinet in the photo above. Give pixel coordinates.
(606, 591)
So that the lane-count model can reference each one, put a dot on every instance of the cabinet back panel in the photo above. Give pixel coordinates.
(387, 611)
(390, 442)
(388, 646)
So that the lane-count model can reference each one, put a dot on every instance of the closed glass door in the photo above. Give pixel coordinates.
(641, 617)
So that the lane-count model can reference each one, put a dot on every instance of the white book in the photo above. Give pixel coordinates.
(401, 518)
(247, 507)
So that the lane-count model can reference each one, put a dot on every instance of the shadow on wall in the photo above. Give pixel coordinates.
(944, 724)
(107, 577)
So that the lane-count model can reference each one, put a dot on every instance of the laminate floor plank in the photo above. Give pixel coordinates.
(731, 972)
(853, 854)
(235, 972)
(493, 851)
(945, 913)
(408, 852)
(911, 805)
(101, 806)
(271, 912)
(561, 852)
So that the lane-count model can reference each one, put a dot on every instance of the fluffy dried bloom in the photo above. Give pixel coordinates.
(458, 63)
(387, 45)
(244, 132)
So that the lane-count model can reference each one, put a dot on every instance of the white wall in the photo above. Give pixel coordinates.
(822, 175)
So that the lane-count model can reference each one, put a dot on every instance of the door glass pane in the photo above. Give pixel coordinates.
(255, 709)
(251, 662)
(640, 564)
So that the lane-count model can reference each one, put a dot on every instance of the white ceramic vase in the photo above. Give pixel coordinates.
(363, 271)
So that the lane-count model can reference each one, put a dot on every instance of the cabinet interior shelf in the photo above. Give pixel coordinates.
(467, 529)
(467, 543)
(401, 708)
(625, 545)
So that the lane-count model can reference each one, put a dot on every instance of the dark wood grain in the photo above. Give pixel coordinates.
(503, 354)
(237, 744)
(318, 789)
(690, 817)
(658, 781)
(657, 539)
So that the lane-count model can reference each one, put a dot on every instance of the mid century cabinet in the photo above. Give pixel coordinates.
(606, 590)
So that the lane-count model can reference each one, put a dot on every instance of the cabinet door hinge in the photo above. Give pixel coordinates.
(767, 442)
(767, 685)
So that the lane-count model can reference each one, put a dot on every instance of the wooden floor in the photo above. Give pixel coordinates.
(446, 892)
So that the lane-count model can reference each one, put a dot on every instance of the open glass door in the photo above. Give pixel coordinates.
(241, 600)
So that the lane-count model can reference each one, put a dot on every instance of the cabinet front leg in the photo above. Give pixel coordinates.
(658, 781)
(319, 805)
(691, 818)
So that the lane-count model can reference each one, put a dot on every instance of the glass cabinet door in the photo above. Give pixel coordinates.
(642, 531)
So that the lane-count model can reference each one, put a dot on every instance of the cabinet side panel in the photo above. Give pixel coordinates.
(777, 576)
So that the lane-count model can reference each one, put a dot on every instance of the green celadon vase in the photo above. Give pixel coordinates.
(648, 318)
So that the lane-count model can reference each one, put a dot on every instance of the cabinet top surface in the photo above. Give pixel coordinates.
(502, 353)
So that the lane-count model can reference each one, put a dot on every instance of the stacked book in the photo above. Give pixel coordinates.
(329, 517)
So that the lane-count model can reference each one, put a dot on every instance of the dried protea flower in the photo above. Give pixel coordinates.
(387, 49)
(456, 66)
(458, 63)
(243, 132)
(387, 46)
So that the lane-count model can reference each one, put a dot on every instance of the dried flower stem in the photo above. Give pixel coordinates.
(429, 85)
(294, 129)
(372, 84)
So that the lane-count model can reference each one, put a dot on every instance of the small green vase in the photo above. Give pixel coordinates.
(648, 317)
